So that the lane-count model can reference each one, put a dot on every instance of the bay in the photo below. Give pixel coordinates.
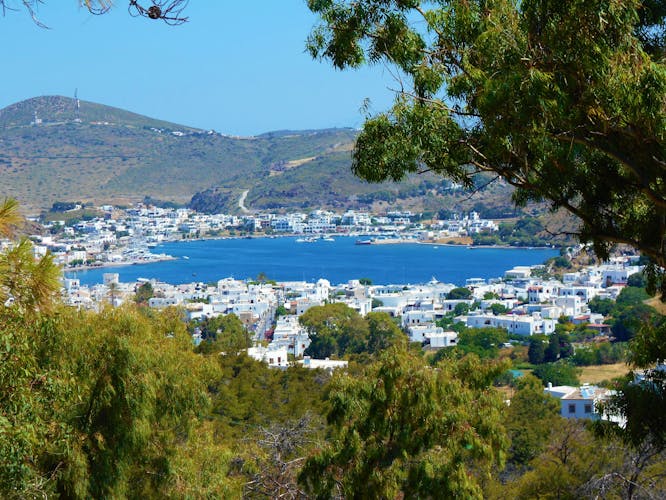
(341, 260)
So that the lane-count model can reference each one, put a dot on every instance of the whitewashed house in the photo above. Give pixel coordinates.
(274, 358)
(581, 402)
(514, 324)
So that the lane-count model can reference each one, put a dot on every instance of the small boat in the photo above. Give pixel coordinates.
(186, 257)
(364, 242)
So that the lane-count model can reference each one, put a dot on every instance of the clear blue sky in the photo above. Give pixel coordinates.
(236, 67)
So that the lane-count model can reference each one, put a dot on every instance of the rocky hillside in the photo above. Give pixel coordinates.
(55, 149)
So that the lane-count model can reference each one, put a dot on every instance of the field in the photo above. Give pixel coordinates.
(599, 373)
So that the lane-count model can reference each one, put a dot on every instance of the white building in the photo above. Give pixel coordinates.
(514, 324)
(324, 364)
(580, 402)
(442, 339)
(275, 358)
(290, 335)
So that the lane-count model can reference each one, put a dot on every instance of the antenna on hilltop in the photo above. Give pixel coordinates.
(78, 106)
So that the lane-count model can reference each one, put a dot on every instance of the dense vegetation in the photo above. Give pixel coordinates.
(567, 103)
(119, 403)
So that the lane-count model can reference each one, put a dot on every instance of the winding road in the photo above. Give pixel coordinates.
(241, 202)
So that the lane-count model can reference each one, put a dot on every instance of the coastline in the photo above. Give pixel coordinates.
(104, 265)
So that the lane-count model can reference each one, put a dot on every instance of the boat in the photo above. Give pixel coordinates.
(364, 242)
(186, 257)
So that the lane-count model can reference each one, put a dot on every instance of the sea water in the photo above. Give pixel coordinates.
(338, 261)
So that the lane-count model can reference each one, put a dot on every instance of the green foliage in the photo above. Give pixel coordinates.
(335, 330)
(402, 428)
(637, 280)
(600, 354)
(248, 394)
(224, 333)
(537, 349)
(628, 320)
(461, 309)
(527, 231)
(601, 306)
(101, 405)
(484, 342)
(460, 293)
(559, 347)
(497, 309)
(643, 404)
(144, 293)
(512, 88)
(529, 419)
(383, 333)
(562, 470)
(558, 373)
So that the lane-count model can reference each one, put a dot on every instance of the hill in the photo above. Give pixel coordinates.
(53, 150)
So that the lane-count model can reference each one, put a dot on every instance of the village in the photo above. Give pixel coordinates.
(126, 236)
(519, 302)
(524, 302)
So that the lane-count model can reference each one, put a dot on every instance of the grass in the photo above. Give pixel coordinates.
(598, 373)
(657, 304)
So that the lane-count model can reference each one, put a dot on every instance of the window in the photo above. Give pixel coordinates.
(572, 408)
(588, 408)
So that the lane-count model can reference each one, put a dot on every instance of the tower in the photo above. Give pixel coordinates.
(77, 106)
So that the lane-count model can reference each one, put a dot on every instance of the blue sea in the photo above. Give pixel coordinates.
(285, 259)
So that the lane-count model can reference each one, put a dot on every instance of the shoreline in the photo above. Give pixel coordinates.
(119, 264)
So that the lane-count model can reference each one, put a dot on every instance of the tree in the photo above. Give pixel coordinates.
(144, 293)
(559, 373)
(572, 457)
(383, 333)
(629, 320)
(601, 306)
(461, 309)
(529, 419)
(103, 405)
(169, 11)
(224, 333)
(497, 309)
(403, 429)
(460, 293)
(512, 88)
(26, 283)
(537, 350)
(335, 330)
(558, 347)
(484, 342)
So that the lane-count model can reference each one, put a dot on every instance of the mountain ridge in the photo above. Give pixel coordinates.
(52, 149)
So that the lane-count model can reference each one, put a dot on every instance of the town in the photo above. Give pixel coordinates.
(520, 302)
(120, 237)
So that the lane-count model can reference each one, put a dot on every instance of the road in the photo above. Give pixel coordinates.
(241, 202)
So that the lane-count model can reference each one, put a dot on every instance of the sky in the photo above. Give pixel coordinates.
(239, 68)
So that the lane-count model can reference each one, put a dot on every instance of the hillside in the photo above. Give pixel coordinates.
(104, 154)
(50, 150)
